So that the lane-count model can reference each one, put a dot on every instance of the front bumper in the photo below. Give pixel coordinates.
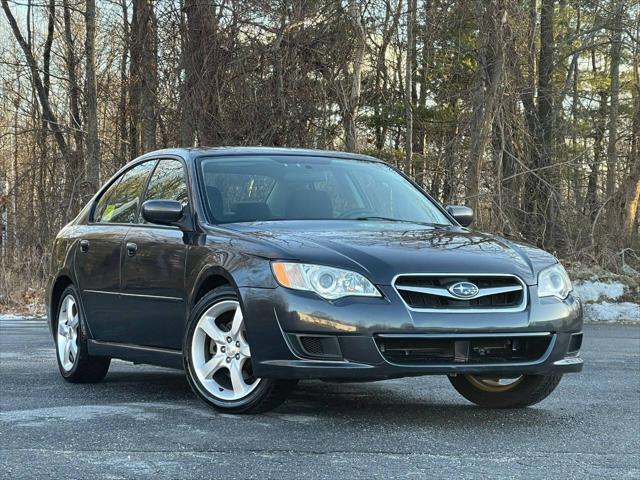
(275, 317)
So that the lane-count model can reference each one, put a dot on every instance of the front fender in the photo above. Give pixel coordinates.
(237, 269)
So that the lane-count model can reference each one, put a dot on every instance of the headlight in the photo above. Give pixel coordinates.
(554, 282)
(328, 282)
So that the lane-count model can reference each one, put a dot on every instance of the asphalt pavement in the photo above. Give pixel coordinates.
(144, 422)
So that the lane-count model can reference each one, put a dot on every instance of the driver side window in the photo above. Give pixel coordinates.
(168, 182)
(119, 204)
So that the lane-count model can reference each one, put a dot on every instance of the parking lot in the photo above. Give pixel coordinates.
(144, 422)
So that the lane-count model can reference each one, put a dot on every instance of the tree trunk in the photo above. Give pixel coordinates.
(575, 174)
(352, 101)
(122, 105)
(382, 75)
(75, 163)
(46, 55)
(92, 163)
(74, 89)
(425, 60)
(545, 87)
(487, 80)
(544, 226)
(591, 200)
(632, 197)
(143, 71)
(632, 205)
(612, 151)
(408, 86)
(150, 78)
(203, 59)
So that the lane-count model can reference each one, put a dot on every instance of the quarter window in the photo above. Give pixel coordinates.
(119, 204)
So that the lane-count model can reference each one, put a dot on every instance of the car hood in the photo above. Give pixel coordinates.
(382, 250)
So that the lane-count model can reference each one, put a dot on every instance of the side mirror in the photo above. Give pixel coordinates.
(163, 212)
(462, 214)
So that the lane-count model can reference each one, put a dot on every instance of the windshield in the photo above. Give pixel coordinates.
(270, 188)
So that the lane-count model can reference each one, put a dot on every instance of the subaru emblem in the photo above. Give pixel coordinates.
(463, 290)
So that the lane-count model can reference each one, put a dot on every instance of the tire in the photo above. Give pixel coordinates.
(218, 370)
(525, 391)
(70, 333)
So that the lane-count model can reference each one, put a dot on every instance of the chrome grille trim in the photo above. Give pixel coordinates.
(443, 292)
(483, 292)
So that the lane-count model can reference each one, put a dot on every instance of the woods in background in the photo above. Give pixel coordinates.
(526, 110)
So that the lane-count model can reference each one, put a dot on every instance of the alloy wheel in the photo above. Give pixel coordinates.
(220, 354)
(67, 338)
(494, 384)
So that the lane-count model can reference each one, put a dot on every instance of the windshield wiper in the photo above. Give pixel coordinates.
(397, 220)
(373, 217)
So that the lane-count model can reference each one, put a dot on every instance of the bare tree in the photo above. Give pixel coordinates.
(48, 115)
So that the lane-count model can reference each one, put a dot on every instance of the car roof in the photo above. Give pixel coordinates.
(195, 152)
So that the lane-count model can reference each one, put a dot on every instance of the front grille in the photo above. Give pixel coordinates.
(460, 350)
(434, 292)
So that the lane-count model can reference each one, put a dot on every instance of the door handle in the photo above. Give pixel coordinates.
(132, 248)
(84, 246)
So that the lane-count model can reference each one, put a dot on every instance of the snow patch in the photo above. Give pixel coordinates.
(594, 290)
(11, 316)
(612, 312)
(603, 301)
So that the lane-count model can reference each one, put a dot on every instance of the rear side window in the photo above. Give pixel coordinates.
(119, 204)
(168, 182)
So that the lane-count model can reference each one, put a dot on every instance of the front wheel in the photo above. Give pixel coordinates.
(217, 358)
(493, 392)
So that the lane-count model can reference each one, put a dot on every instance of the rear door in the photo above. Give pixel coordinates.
(153, 267)
(98, 258)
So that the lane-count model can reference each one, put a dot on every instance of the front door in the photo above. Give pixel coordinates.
(153, 268)
(100, 252)
(98, 272)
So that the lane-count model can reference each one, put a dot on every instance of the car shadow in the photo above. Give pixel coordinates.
(147, 384)
(393, 402)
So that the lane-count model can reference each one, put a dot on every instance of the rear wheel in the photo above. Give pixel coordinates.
(496, 392)
(74, 362)
(217, 358)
